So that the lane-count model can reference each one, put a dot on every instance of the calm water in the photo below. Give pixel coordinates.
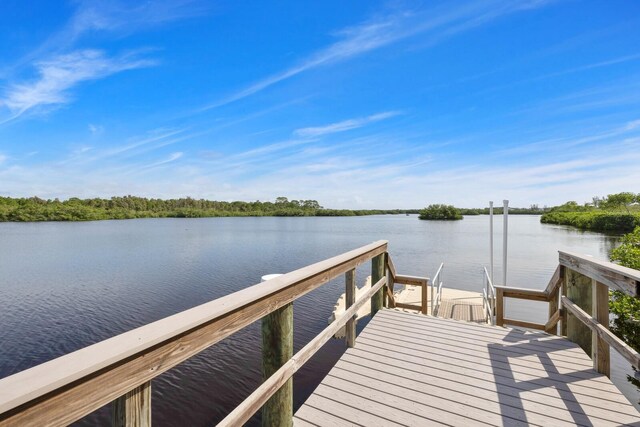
(67, 285)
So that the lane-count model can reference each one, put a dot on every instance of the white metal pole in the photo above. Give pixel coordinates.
(505, 230)
(491, 241)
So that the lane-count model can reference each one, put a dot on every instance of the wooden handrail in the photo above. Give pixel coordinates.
(67, 388)
(553, 321)
(522, 293)
(625, 350)
(411, 280)
(254, 402)
(614, 276)
(391, 267)
(555, 282)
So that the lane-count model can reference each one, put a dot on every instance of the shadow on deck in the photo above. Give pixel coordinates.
(411, 369)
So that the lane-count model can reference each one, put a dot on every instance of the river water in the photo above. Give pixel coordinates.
(64, 286)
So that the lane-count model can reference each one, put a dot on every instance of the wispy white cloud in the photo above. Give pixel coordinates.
(345, 125)
(569, 142)
(60, 67)
(113, 18)
(58, 75)
(386, 30)
(3, 158)
(125, 17)
(172, 158)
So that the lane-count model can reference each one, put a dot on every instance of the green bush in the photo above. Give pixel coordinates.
(440, 212)
(626, 308)
(611, 222)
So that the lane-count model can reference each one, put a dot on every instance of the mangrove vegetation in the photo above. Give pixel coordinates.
(128, 207)
(616, 213)
(440, 212)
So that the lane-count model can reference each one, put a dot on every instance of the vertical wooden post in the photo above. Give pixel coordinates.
(579, 291)
(563, 292)
(601, 353)
(350, 299)
(554, 305)
(377, 273)
(389, 302)
(499, 307)
(134, 408)
(388, 288)
(424, 303)
(277, 349)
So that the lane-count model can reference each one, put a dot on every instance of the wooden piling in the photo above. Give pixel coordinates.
(579, 291)
(499, 307)
(423, 298)
(377, 273)
(134, 408)
(563, 293)
(277, 349)
(601, 352)
(350, 299)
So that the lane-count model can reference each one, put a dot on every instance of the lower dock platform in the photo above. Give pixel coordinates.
(414, 370)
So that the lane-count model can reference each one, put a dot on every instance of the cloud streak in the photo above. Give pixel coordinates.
(384, 31)
(345, 125)
(58, 75)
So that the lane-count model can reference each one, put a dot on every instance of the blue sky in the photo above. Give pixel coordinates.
(363, 104)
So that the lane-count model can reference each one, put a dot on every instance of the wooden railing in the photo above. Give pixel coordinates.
(393, 278)
(578, 298)
(121, 368)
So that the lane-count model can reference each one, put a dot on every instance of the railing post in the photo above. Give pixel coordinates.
(377, 273)
(601, 353)
(579, 291)
(134, 408)
(277, 349)
(350, 299)
(563, 293)
(424, 304)
(499, 307)
(554, 305)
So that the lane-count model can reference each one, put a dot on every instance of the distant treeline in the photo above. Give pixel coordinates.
(127, 207)
(616, 213)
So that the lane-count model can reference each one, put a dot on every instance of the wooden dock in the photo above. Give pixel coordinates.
(405, 368)
(412, 370)
(454, 304)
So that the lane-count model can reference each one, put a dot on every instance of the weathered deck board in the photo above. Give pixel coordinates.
(454, 304)
(410, 369)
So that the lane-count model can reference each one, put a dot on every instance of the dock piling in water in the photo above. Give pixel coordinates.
(277, 349)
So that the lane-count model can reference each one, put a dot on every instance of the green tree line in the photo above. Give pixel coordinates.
(128, 207)
(615, 213)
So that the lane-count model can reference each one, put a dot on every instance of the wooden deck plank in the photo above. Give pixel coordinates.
(463, 338)
(477, 394)
(490, 381)
(493, 355)
(532, 381)
(411, 369)
(395, 409)
(433, 398)
(532, 358)
(481, 331)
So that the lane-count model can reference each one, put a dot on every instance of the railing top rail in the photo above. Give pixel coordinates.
(28, 385)
(612, 275)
